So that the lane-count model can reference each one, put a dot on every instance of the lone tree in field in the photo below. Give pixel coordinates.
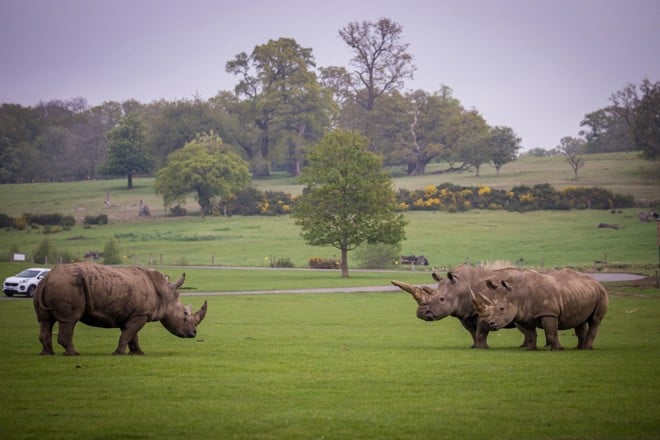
(572, 148)
(206, 167)
(127, 154)
(348, 199)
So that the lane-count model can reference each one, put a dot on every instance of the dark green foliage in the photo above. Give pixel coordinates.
(377, 255)
(7, 221)
(281, 262)
(101, 219)
(111, 253)
(252, 201)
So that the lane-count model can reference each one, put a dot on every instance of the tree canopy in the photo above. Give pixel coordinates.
(127, 154)
(206, 167)
(348, 199)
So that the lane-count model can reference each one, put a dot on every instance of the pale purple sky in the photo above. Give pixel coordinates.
(537, 66)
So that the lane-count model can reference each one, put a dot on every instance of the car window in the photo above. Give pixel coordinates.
(28, 273)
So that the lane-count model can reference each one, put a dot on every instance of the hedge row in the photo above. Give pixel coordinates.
(453, 198)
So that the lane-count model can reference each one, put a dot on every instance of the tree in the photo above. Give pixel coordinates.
(127, 154)
(572, 148)
(381, 59)
(287, 104)
(473, 144)
(606, 131)
(205, 166)
(348, 199)
(434, 127)
(640, 107)
(504, 146)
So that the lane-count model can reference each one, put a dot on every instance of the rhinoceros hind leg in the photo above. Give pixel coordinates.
(134, 346)
(46, 337)
(65, 338)
(581, 333)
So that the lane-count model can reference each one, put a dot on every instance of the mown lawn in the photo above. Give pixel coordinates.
(331, 366)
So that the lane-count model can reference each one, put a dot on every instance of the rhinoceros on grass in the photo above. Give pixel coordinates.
(102, 296)
(553, 301)
(452, 298)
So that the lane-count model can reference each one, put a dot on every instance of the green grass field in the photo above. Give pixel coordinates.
(338, 365)
(331, 366)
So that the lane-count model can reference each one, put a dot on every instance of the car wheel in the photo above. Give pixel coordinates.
(30, 291)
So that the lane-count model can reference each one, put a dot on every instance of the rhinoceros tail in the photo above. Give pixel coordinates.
(39, 293)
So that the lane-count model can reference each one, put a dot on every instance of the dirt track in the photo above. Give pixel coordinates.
(602, 277)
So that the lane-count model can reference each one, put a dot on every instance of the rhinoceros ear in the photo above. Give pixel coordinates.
(491, 285)
(179, 282)
(436, 276)
(453, 278)
(507, 286)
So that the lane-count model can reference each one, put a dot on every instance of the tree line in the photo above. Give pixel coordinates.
(282, 104)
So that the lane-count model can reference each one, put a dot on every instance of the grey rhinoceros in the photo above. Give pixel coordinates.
(102, 296)
(553, 301)
(452, 298)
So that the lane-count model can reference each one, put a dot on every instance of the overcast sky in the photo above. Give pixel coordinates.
(535, 66)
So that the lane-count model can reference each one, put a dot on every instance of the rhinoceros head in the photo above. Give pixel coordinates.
(179, 319)
(495, 307)
(444, 302)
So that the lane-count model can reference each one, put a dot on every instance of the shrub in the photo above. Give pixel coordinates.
(44, 252)
(324, 263)
(177, 211)
(6, 221)
(281, 262)
(101, 219)
(111, 253)
(377, 255)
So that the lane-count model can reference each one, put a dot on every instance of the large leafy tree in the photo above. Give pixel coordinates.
(381, 59)
(504, 146)
(348, 199)
(127, 154)
(436, 124)
(205, 166)
(605, 131)
(286, 102)
(640, 107)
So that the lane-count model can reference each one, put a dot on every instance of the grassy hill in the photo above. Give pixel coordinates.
(623, 173)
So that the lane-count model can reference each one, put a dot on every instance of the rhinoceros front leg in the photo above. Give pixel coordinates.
(129, 335)
(550, 325)
(529, 341)
(65, 338)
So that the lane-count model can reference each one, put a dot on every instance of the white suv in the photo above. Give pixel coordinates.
(25, 282)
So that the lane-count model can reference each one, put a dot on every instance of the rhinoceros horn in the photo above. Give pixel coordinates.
(421, 294)
(200, 314)
(480, 301)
